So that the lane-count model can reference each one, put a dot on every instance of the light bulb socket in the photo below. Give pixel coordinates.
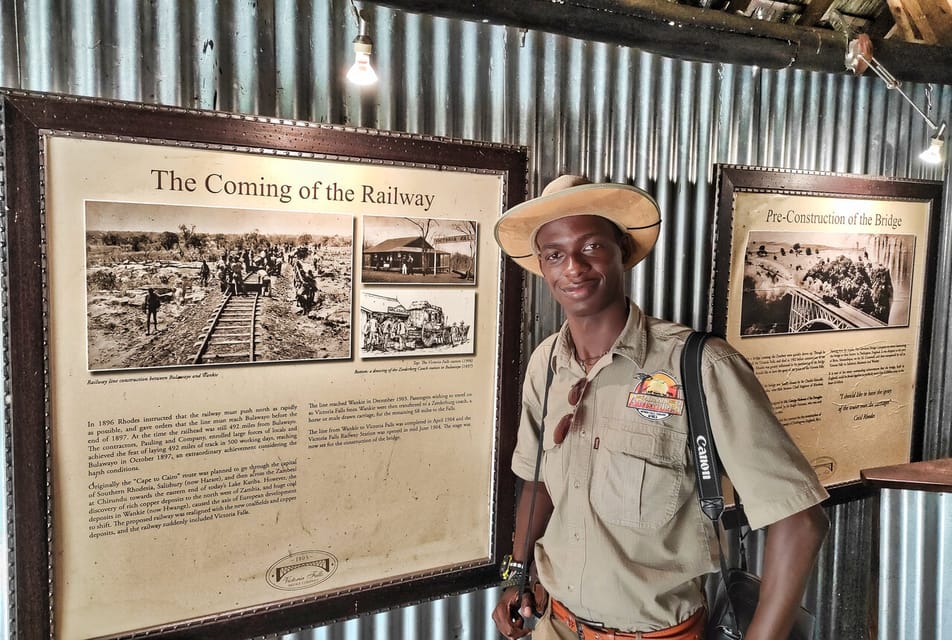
(362, 72)
(363, 44)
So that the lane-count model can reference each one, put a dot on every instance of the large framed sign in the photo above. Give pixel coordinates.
(255, 368)
(823, 282)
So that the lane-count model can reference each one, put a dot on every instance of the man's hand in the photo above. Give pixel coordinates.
(792, 546)
(511, 612)
(514, 608)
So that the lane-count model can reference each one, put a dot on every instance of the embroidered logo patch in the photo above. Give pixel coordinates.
(657, 396)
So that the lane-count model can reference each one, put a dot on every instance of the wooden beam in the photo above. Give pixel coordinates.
(881, 25)
(814, 12)
(903, 29)
(932, 19)
(911, 24)
(741, 7)
(689, 33)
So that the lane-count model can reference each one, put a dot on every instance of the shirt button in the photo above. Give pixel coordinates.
(583, 432)
(577, 484)
(570, 588)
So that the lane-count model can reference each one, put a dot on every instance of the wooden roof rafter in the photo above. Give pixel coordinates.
(923, 21)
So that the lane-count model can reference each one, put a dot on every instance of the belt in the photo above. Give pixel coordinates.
(690, 629)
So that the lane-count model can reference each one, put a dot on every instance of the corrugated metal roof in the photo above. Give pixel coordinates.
(413, 243)
(376, 303)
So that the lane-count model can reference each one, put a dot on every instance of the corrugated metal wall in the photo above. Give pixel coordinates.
(914, 560)
(609, 112)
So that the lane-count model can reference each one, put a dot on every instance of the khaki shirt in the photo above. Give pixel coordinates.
(627, 543)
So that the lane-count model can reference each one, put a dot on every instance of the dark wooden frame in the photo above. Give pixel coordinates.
(26, 117)
(735, 178)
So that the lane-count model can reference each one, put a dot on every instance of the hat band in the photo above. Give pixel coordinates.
(647, 226)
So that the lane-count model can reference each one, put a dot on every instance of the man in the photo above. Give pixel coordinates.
(237, 277)
(151, 306)
(310, 290)
(264, 279)
(371, 333)
(620, 543)
(223, 273)
(400, 335)
(204, 272)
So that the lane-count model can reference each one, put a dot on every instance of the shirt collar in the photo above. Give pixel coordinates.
(631, 342)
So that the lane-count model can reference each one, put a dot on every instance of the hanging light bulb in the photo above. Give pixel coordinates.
(934, 154)
(859, 57)
(362, 72)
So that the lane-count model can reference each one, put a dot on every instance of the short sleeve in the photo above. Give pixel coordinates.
(533, 391)
(765, 466)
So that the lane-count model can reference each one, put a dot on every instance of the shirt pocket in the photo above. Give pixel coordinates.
(637, 475)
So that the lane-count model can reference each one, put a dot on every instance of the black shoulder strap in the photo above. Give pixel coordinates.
(524, 582)
(706, 467)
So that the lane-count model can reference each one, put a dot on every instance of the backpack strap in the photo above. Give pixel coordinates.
(524, 581)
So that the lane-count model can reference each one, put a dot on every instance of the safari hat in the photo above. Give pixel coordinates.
(629, 208)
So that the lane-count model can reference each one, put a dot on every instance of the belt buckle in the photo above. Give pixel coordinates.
(581, 623)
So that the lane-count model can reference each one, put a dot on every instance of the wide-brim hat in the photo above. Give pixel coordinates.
(632, 210)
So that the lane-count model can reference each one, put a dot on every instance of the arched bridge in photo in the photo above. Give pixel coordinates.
(811, 312)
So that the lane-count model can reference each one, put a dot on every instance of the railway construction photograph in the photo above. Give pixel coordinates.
(799, 282)
(171, 286)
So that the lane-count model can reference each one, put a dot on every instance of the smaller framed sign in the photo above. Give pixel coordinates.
(821, 281)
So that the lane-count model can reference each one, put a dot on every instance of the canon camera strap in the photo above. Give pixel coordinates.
(699, 425)
(706, 465)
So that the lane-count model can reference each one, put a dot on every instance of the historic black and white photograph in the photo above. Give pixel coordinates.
(419, 322)
(400, 250)
(186, 285)
(799, 282)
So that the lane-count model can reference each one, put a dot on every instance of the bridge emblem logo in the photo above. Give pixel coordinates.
(301, 570)
(656, 396)
(824, 466)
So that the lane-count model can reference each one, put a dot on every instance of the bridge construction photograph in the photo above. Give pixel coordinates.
(800, 282)
(170, 286)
